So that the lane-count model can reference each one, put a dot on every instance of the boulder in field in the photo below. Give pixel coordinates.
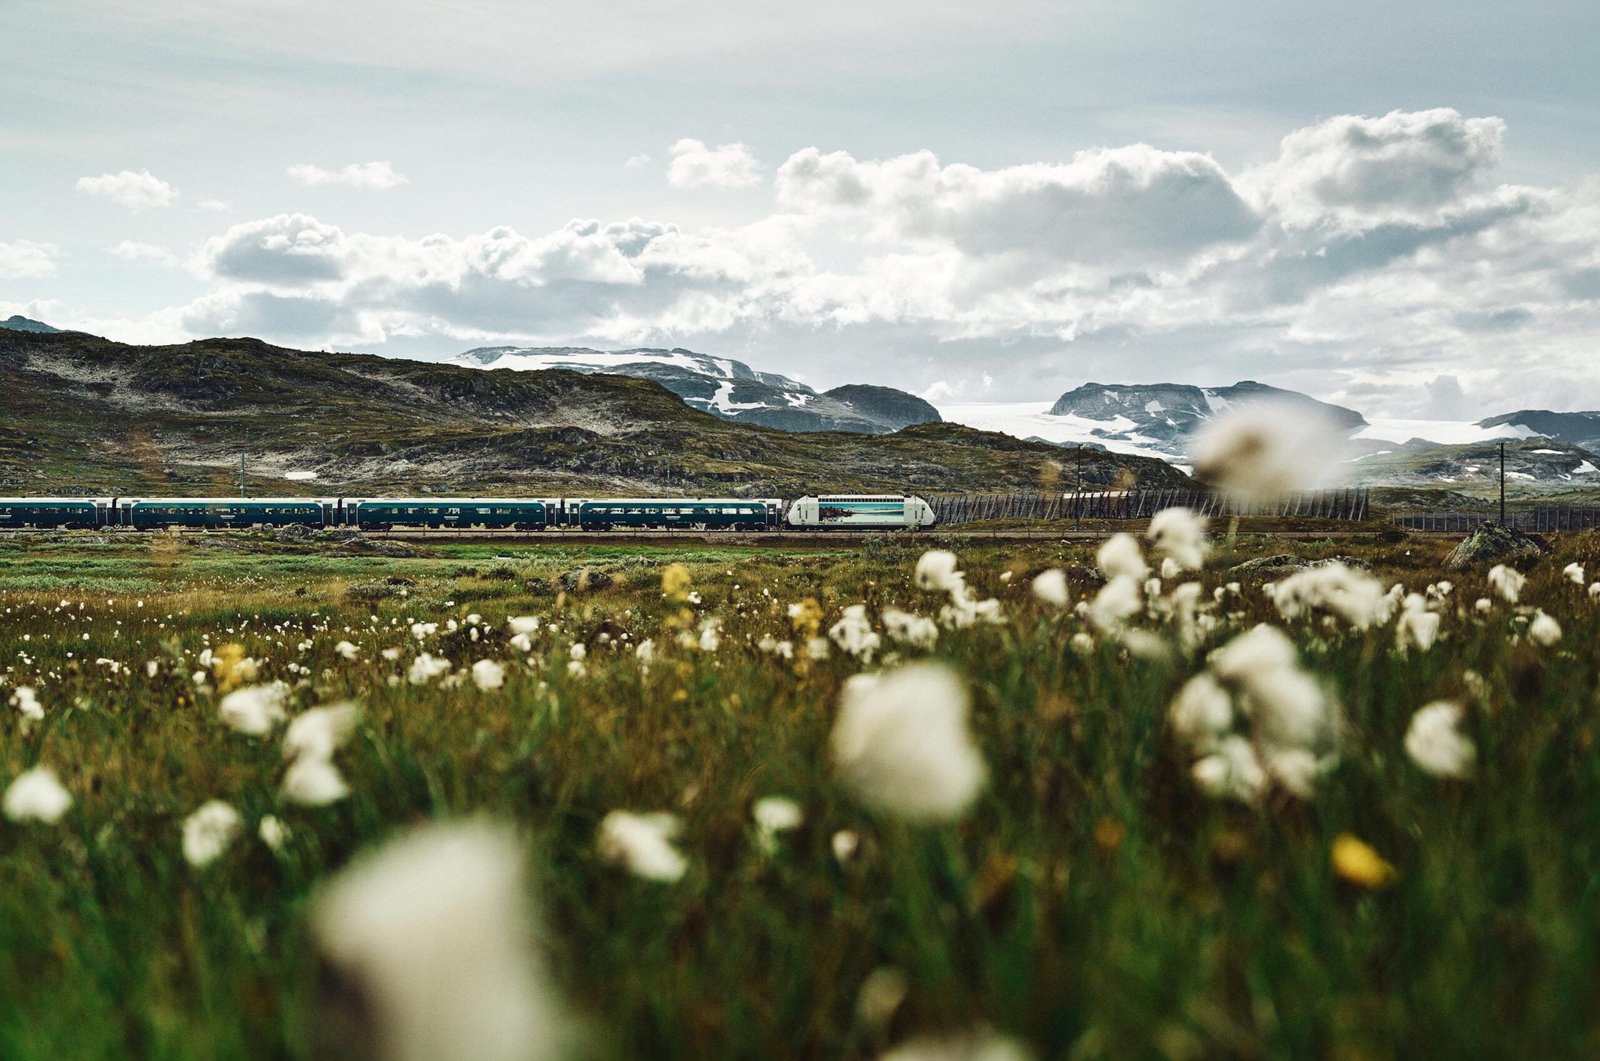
(1494, 543)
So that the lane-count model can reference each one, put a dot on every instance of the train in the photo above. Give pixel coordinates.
(812, 512)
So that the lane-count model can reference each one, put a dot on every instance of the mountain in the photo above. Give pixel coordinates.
(1161, 416)
(18, 323)
(89, 416)
(1580, 429)
(725, 388)
(1540, 464)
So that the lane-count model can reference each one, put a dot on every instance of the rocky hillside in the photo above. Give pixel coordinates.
(86, 415)
(726, 388)
(1540, 465)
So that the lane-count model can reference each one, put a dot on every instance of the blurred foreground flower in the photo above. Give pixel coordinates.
(983, 1046)
(1179, 534)
(488, 674)
(255, 709)
(209, 832)
(901, 743)
(428, 949)
(1259, 452)
(37, 795)
(642, 843)
(774, 815)
(1507, 582)
(1050, 586)
(1435, 743)
(27, 704)
(312, 779)
(1355, 861)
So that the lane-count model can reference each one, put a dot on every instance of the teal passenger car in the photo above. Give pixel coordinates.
(65, 513)
(219, 513)
(492, 513)
(704, 513)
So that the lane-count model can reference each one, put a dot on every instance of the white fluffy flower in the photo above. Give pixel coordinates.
(1202, 712)
(1121, 557)
(487, 674)
(710, 638)
(901, 743)
(436, 935)
(1355, 597)
(347, 650)
(425, 668)
(1231, 771)
(853, 633)
(1507, 582)
(1262, 451)
(255, 709)
(1050, 586)
(1179, 535)
(314, 782)
(273, 832)
(209, 832)
(26, 701)
(318, 733)
(1117, 601)
(774, 815)
(973, 1046)
(37, 795)
(1544, 630)
(1418, 626)
(908, 628)
(936, 570)
(1435, 743)
(1573, 573)
(642, 843)
(523, 624)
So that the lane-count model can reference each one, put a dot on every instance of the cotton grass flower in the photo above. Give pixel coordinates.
(488, 675)
(1435, 743)
(1259, 452)
(1121, 557)
(425, 668)
(1179, 535)
(314, 782)
(36, 795)
(1544, 630)
(435, 935)
(642, 844)
(908, 628)
(1507, 582)
(1573, 573)
(774, 815)
(854, 634)
(273, 832)
(347, 650)
(980, 1045)
(901, 745)
(1050, 587)
(1418, 627)
(209, 832)
(936, 570)
(26, 701)
(1354, 597)
(255, 709)
(320, 732)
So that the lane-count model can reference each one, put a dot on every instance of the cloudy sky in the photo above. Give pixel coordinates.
(1392, 204)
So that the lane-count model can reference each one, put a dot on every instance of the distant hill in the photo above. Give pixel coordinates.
(19, 323)
(726, 388)
(1580, 429)
(1160, 417)
(89, 415)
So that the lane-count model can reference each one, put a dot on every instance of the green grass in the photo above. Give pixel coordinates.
(1091, 903)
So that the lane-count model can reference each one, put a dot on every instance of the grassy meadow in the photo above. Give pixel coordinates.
(1092, 901)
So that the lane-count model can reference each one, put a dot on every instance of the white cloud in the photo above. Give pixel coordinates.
(26, 260)
(370, 176)
(136, 191)
(1373, 253)
(149, 253)
(1358, 171)
(635, 161)
(214, 206)
(691, 164)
